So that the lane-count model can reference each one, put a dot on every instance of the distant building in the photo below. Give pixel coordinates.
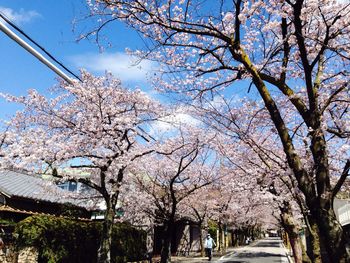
(342, 210)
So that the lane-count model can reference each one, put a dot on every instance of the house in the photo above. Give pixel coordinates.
(184, 241)
(22, 195)
(342, 212)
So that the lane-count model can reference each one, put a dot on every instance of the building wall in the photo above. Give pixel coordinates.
(195, 238)
(184, 241)
(342, 210)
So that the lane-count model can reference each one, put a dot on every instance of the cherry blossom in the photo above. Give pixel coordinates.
(91, 132)
(296, 55)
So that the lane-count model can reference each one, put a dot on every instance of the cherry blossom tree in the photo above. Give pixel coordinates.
(201, 207)
(180, 167)
(233, 201)
(95, 127)
(294, 52)
(249, 144)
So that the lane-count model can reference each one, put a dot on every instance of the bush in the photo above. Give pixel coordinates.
(212, 228)
(129, 243)
(58, 239)
(67, 241)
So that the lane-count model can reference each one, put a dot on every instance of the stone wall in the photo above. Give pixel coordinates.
(7, 255)
(26, 255)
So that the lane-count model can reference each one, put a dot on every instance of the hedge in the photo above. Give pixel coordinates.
(67, 241)
(212, 229)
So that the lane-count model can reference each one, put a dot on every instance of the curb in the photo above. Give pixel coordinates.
(290, 260)
(216, 257)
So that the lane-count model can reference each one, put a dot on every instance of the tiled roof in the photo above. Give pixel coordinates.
(15, 184)
(28, 212)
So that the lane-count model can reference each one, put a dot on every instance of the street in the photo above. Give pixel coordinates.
(269, 250)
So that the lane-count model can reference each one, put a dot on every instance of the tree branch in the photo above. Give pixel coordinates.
(341, 180)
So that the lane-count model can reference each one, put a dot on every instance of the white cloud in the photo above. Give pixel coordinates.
(119, 64)
(19, 17)
(177, 119)
(171, 123)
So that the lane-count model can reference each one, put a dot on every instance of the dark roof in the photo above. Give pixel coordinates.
(15, 184)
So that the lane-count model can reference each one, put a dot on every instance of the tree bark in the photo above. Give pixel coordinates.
(331, 237)
(319, 202)
(291, 227)
(315, 253)
(165, 256)
(201, 239)
(104, 251)
(221, 241)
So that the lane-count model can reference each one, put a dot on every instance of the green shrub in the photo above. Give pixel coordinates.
(212, 228)
(58, 239)
(72, 211)
(129, 243)
(67, 241)
(7, 222)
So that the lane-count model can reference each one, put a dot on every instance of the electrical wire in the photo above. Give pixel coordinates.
(7, 20)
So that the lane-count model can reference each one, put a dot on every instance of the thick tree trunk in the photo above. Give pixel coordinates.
(166, 250)
(201, 239)
(242, 237)
(165, 256)
(315, 252)
(104, 251)
(331, 237)
(332, 242)
(292, 229)
(294, 239)
(318, 196)
(297, 249)
(305, 256)
(221, 241)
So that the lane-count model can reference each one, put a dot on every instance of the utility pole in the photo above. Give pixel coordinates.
(31, 50)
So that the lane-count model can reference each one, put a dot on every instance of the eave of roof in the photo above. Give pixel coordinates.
(7, 208)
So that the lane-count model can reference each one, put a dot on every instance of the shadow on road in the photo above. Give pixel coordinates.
(267, 244)
(240, 261)
(257, 255)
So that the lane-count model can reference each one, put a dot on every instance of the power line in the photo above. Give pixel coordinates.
(35, 53)
(24, 44)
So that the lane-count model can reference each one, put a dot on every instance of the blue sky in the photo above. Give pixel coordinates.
(50, 23)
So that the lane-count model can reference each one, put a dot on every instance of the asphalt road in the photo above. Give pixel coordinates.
(269, 250)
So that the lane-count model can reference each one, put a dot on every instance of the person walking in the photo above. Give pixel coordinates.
(209, 245)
